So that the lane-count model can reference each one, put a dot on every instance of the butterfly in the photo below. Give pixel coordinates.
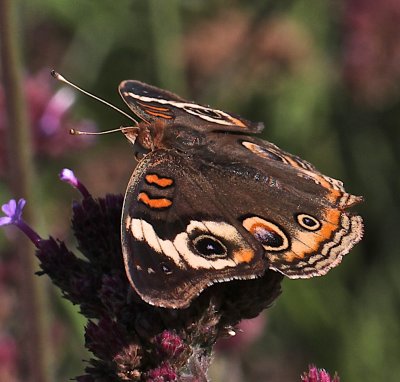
(210, 202)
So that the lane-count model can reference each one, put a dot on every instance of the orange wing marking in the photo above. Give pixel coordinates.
(237, 122)
(154, 203)
(158, 181)
(243, 255)
(165, 116)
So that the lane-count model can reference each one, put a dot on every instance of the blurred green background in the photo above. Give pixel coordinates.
(324, 78)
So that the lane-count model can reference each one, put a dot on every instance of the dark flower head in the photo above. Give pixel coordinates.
(169, 343)
(163, 373)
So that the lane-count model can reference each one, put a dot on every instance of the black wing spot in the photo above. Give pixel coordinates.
(308, 222)
(209, 246)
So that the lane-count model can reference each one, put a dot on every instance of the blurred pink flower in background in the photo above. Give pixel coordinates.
(8, 346)
(372, 49)
(8, 358)
(49, 119)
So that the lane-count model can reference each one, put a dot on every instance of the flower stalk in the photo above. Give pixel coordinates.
(20, 174)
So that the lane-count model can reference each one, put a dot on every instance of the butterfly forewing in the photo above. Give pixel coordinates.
(151, 104)
(175, 236)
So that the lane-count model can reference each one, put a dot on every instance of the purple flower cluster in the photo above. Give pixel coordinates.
(131, 340)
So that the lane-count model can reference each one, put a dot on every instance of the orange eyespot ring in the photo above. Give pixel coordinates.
(267, 233)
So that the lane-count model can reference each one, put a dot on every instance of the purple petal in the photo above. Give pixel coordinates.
(56, 108)
(20, 206)
(68, 176)
(9, 208)
(5, 220)
(13, 211)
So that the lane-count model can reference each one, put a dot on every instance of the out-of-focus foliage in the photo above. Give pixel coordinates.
(324, 78)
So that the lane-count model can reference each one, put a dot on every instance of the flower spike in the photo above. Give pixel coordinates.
(13, 212)
(68, 176)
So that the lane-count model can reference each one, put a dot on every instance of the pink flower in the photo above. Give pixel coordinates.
(318, 375)
(49, 118)
(372, 49)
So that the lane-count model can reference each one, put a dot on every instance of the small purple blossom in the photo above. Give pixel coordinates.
(68, 176)
(13, 212)
(318, 375)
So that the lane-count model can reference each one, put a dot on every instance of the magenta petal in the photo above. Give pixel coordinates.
(68, 176)
(324, 376)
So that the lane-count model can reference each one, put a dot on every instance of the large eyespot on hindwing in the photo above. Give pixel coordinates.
(212, 244)
(209, 246)
(203, 244)
(269, 234)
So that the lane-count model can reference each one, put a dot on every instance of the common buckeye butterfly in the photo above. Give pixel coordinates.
(209, 202)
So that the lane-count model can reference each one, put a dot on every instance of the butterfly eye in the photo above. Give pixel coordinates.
(209, 246)
(308, 222)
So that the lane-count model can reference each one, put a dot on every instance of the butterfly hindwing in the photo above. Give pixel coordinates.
(301, 219)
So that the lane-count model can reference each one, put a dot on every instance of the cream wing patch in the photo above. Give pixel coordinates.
(182, 251)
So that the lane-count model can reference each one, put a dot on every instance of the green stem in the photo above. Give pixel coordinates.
(20, 172)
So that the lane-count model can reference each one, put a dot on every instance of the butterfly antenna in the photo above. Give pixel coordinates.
(59, 77)
(122, 129)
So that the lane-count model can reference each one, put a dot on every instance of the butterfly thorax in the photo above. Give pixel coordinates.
(162, 135)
